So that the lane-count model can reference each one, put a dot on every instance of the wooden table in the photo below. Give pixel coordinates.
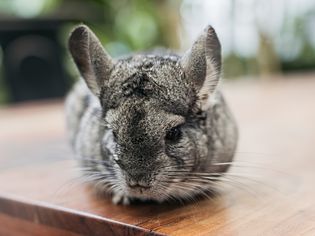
(272, 191)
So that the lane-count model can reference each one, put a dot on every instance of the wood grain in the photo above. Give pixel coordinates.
(270, 191)
(64, 220)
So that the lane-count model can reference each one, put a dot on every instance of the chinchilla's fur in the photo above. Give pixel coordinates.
(150, 126)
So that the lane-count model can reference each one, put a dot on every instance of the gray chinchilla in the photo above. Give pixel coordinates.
(150, 126)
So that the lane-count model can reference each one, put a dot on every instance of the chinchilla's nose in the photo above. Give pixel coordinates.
(141, 180)
(138, 184)
(140, 176)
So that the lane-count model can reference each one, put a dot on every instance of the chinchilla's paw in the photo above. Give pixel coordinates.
(120, 198)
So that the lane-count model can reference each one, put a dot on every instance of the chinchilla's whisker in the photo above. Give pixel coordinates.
(213, 174)
(186, 192)
(79, 180)
(194, 176)
(240, 174)
(93, 160)
(90, 174)
(202, 179)
(68, 184)
(236, 163)
(83, 169)
(192, 190)
(205, 177)
(103, 183)
(233, 183)
(239, 153)
(176, 166)
(240, 185)
(164, 190)
(94, 167)
(180, 191)
(251, 178)
(89, 178)
(240, 164)
(189, 173)
(169, 196)
(102, 162)
(262, 166)
(208, 194)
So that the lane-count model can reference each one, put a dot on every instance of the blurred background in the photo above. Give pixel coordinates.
(259, 38)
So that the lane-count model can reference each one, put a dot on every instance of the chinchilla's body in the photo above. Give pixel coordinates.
(150, 126)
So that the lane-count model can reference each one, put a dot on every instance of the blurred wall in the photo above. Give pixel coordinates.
(258, 38)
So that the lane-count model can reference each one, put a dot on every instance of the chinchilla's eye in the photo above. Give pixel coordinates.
(174, 134)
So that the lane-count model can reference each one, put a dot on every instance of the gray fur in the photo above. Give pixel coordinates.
(119, 122)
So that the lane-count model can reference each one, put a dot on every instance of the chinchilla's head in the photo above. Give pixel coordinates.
(153, 106)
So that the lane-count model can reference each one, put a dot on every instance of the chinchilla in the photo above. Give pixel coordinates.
(150, 126)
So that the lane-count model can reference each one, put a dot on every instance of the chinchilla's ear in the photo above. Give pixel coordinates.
(92, 60)
(202, 64)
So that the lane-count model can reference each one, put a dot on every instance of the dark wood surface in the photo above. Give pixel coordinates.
(270, 189)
